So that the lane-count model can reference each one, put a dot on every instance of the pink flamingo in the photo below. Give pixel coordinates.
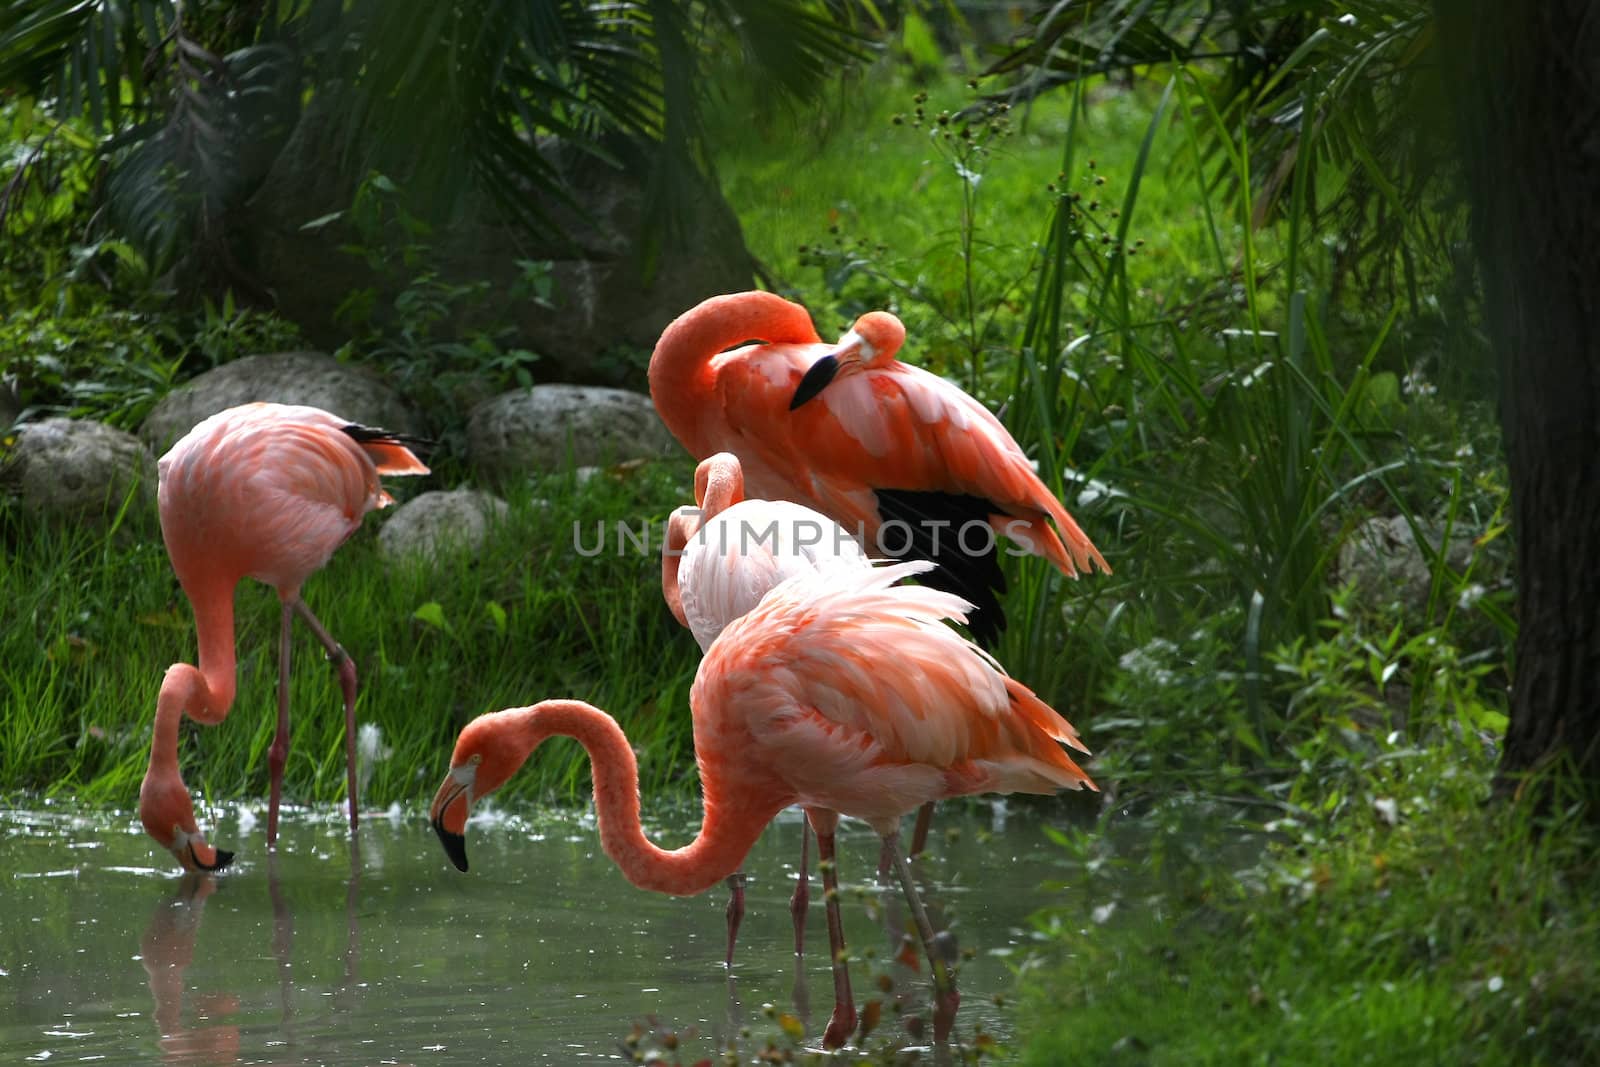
(266, 491)
(908, 462)
(865, 439)
(840, 692)
(718, 561)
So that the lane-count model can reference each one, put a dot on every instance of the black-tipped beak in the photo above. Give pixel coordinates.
(224, 857)
(815, 381)
(455, 845)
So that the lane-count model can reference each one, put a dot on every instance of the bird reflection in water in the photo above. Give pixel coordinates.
(166, 950)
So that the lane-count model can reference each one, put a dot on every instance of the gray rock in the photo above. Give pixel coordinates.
(546, 428)
(440, 522)
(354, 393)
(1382, 557)
(78, 470)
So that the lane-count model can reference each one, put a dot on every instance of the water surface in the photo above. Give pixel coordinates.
(384, 954)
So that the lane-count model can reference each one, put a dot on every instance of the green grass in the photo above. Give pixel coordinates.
(1464, 932)
(92, 622)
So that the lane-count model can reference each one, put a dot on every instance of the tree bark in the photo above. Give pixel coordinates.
(1525, 84)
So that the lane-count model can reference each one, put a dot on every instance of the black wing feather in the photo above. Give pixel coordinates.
(373, 434)
(935, 521)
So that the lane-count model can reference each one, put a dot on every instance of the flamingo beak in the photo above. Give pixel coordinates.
(195, 856)
(815, 380)
(848, 352)
(450, 828)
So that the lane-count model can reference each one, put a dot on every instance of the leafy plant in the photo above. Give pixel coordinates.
(1327, 96)
(111, 365)
(434, 336)
(193, 102)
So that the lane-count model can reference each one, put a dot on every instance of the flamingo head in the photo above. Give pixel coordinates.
(168, 816)
(486, 755)
(873, 341)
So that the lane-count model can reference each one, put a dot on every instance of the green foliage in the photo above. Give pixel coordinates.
(191, 103)
(1339, 100)
(109, 365)
(436, 339)
(1393, 917)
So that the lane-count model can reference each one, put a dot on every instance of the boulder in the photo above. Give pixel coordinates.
(78, 470)
(548, 427)
(353, 393)
(439, 522)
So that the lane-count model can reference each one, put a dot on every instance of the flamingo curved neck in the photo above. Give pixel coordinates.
(185, 690)
(727, 831)
(211, 698)
(724, 488)
(680, 366)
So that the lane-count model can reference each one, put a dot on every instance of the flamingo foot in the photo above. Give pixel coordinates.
(735, 912)
(841, 1024)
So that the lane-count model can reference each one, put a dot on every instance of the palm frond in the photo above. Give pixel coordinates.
(1331, 88)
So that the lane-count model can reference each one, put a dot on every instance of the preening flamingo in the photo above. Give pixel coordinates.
(266, 491)
(900, 457)
(840, 692)
(719, 559)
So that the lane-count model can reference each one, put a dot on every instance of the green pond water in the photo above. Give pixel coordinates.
(383, 953)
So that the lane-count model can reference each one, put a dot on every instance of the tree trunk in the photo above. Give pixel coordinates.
(1525, 84)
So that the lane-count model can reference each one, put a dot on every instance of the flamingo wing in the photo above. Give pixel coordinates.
(906, 461)
(857, 695)
(902, 428)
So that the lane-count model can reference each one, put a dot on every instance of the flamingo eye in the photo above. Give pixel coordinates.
(477, 758)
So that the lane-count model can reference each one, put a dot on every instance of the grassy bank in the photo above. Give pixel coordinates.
(1421, 924)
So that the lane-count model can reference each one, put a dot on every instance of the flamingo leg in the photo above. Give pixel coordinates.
(885, 857)
(347, 683)
(802, 890)
(843, 1021)
(278, 754)
(735, 912)
(919, 836)
(945, 998)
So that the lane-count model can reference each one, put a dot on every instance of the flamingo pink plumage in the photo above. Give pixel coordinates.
(719, 559)
(266, 491)
(841, 692)
(865, 439)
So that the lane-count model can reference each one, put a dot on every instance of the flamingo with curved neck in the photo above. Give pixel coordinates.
(839, 691)
(265, 491)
